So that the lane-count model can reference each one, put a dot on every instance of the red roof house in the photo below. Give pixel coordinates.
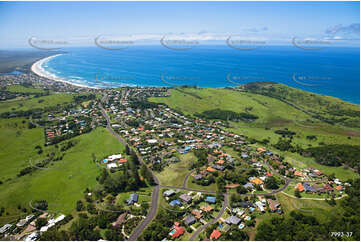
(215, 234)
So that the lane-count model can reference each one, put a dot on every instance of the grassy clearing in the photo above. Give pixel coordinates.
(63, 185)
(174, 174)
(19, 88)
(310, 207)
(17, 146)
(33, 103)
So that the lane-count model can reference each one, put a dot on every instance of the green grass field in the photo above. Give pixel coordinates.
(174, 174)
(310, 207)
(64, 184)
(17, 146)
(40, 102)
(19, 88)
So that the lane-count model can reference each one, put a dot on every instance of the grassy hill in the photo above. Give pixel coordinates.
(275, 115)
(34, 103)
(63, 183)
(329, 109)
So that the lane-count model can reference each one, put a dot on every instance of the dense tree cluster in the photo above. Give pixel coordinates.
(226, 115)
(336, 155)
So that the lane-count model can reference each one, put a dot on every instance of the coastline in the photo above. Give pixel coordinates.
(40, 71)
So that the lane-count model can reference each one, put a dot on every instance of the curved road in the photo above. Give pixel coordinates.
(155, 194)
(203, 227)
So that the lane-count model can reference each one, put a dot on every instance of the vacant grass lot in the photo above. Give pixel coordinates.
(174, 174)
(312, 207)
(65, 183)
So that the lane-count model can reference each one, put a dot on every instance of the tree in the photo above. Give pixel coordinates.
(40, 222)
(297, 193)
(271, 183)
(79, 205)
(127, 150)
(242, 190)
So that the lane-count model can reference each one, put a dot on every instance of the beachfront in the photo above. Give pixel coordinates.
(38, 69)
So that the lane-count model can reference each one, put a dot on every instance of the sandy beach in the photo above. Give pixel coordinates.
(38, 69)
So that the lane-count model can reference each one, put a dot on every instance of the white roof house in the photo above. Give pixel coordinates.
(114, 157)
(112, 165)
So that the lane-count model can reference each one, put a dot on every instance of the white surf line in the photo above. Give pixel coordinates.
(40, 71)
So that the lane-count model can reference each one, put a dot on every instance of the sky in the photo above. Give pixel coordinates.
(81, 22)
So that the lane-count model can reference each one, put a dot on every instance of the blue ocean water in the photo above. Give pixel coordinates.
(332, 71)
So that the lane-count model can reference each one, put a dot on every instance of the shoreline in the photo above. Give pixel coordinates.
(40, 71)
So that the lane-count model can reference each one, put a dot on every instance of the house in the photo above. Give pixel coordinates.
(256, 181)
(189, 220)
(176, 232)
(186, 198)
(260, 206)
(309, 188)
(210, 199)
(168, 193)
(132, 199)
(244, 156)
(21, 223)
(218, 167)
(197, 213)
(300, 187)
(5, 228)
(273, 205)
(112, 165)
(210, 169)
(32, 237)
(220, 162)
(198, 177)
(312, 175)
(233, 220)
(328, 188)
(206, 208)
(115, 157)
(175, 203)
(298, 173)
(261, 150)
(120, 220)
(317, 188)
(339, 188)
(248, 185)
(238, 211)
(215, 234)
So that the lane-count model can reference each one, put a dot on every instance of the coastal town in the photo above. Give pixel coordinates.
(229, 184)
